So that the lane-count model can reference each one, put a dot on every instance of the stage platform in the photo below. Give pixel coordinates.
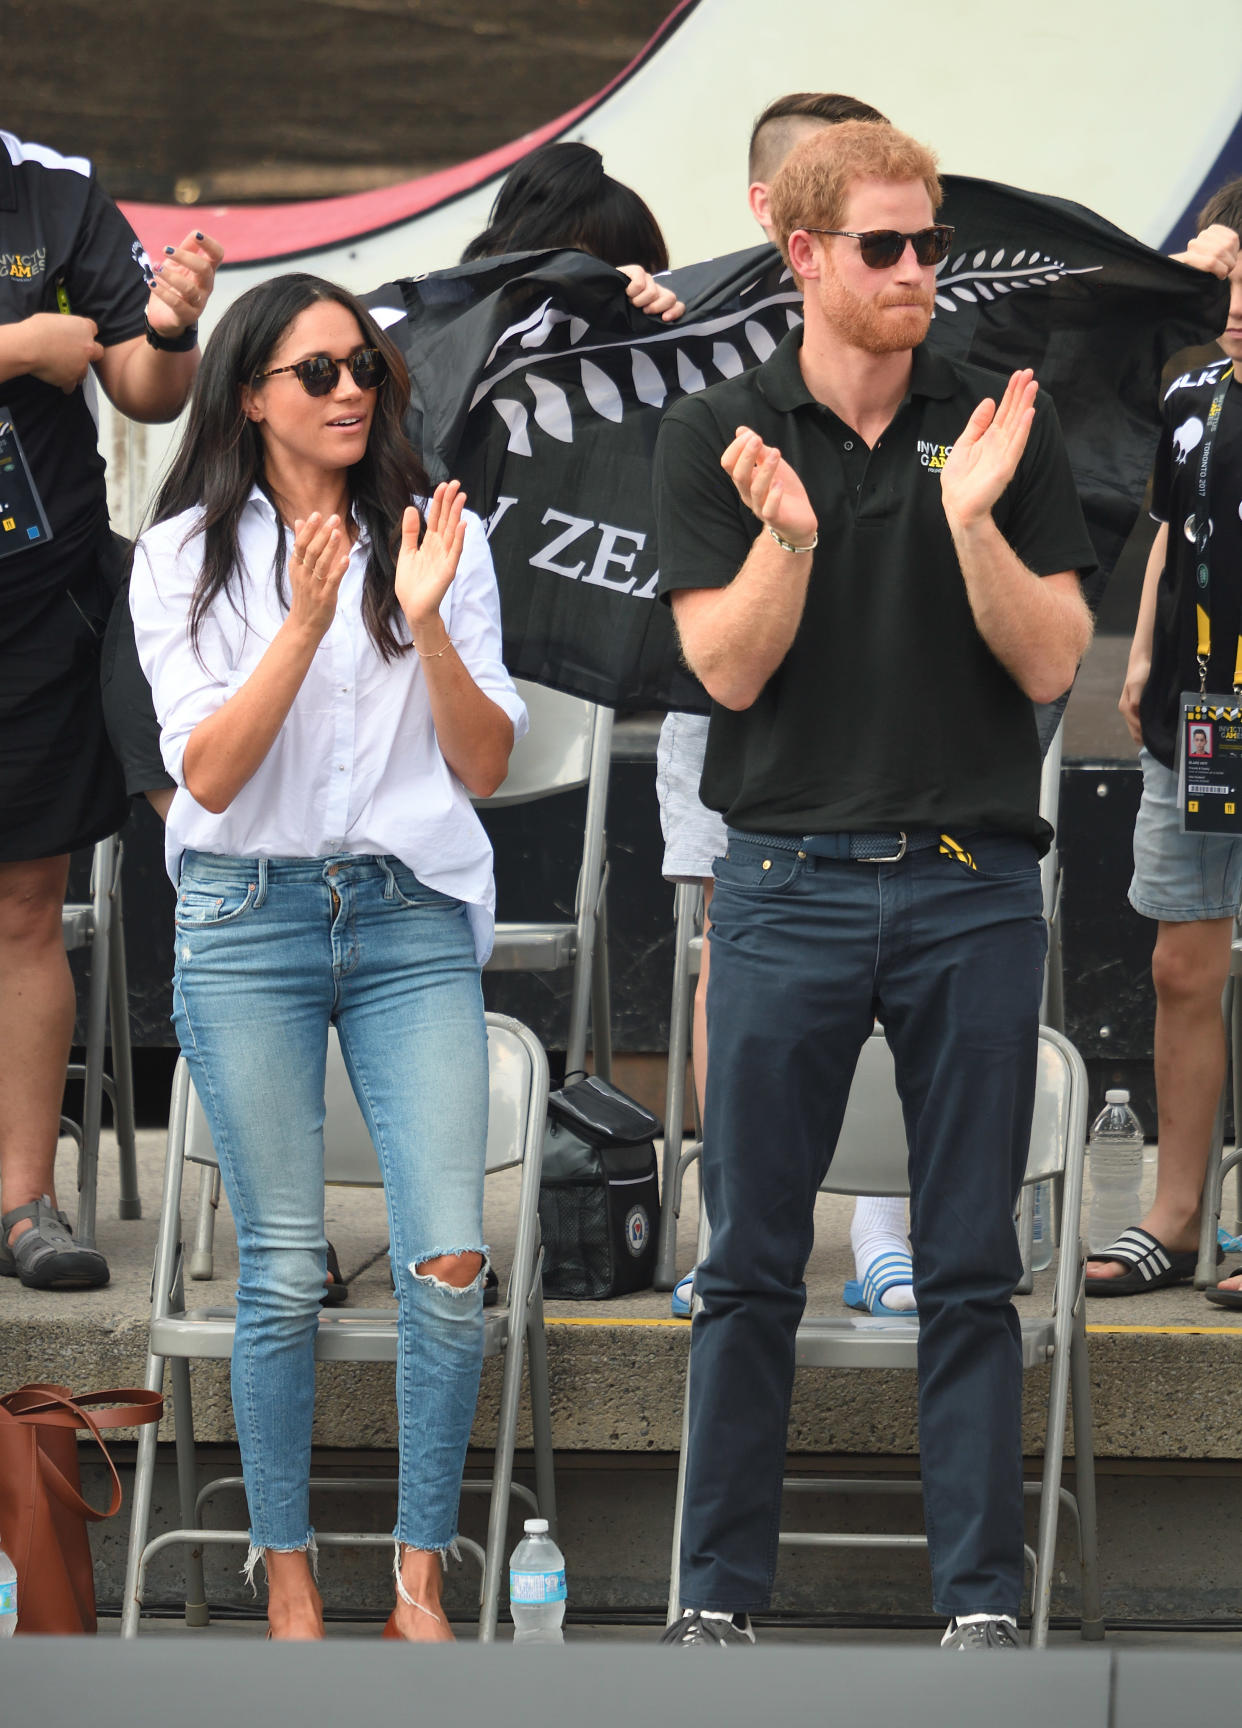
(1167, 1389)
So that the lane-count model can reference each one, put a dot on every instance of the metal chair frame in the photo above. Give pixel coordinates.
(515, 1330)
(98, 924)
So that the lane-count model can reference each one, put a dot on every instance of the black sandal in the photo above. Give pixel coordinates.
(337, 1292)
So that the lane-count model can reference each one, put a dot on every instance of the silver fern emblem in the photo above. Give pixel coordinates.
(978, 279)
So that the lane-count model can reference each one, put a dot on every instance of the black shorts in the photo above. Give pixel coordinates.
(61, 787)
(129, 712)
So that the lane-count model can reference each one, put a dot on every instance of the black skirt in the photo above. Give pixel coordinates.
(61, 787)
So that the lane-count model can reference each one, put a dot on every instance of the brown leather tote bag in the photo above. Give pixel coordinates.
(43, 1516)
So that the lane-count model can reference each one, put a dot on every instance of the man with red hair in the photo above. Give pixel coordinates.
(872, 628)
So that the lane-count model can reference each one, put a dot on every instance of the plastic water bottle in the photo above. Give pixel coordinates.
(537, 1587)
(1041, 1234)
(8, 1596)
(1115, 1150)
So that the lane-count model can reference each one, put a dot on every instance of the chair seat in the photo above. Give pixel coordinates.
(77, 926)
(359, 1335)
(533, 947)
(884, 1341)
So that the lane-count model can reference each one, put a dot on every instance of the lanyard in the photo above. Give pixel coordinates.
(1199, 528)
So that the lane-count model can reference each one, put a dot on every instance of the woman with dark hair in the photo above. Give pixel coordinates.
(323, 645)
(559, 196)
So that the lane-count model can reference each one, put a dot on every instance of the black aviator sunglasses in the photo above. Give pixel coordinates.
(881, 248)
(318, 373)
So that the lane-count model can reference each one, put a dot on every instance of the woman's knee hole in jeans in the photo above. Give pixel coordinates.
(457, 1271)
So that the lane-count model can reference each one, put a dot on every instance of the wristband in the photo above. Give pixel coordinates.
(788, 545)
(179, 344)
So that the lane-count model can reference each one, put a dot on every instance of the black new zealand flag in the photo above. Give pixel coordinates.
(538, 385)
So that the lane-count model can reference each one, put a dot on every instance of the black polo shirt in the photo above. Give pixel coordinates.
(1174, 647)
(58, 228)
(889, 710)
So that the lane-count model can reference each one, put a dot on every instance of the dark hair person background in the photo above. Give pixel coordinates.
(559, 196)
(324, 656)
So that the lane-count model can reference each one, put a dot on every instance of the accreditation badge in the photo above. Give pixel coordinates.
(23, 520)
(1209, 763)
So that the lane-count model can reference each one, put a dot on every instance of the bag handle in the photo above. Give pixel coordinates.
(40, 1405)
(46, 1405)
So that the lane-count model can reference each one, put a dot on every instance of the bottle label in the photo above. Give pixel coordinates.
(537, 1587)
(8, 1596)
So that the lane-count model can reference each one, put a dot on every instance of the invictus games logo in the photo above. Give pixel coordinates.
(23, 266)
(637, 1230)
(933, 455)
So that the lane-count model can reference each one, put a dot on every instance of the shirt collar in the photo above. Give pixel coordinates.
(781, 380)
(259, 500)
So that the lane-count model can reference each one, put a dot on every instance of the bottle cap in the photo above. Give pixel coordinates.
(1118, 1095)
(536, 1526)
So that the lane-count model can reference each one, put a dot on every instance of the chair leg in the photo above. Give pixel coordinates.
(201, 1258)
(92, 1085)
(541, 1412)
(1050, 1498)
(601, 994)
(675, 1095)
(196, 1613)
(502, 1478)
(674, 1571)
(1209, 1214)
(1084, 1481)
(140, 1511)
(122, 1057)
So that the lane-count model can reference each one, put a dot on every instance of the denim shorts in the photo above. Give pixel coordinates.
(1179, 878)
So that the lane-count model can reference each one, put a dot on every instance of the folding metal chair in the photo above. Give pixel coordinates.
(1220, 1162)
(518, 1109)
(98, 924)
(870, 1158)
(568, 745)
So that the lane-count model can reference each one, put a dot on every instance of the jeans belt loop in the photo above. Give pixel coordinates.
(261, 896)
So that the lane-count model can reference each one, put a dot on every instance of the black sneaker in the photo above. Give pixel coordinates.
(698, 1631)
(981, 1632)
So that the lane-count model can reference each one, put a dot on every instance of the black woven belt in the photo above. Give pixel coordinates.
(858, 847)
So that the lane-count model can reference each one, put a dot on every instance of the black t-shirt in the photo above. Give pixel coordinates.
(1174, 658)
(59, 228)
(889, 710)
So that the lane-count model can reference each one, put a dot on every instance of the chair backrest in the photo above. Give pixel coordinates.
(349, 1156)
(871, 1152)
(555, 754)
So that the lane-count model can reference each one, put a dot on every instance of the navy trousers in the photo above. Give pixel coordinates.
(806, 953)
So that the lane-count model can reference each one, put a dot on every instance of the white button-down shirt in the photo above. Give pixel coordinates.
(356, 766)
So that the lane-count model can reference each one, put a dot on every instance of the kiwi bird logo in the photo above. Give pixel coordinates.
(1187, 437)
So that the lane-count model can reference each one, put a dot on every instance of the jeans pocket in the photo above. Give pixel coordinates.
(213, 902)
(997, 857)
(750, 869)
(411, 895)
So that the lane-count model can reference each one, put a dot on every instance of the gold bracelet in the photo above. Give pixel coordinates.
(788, 545)
(438, 652)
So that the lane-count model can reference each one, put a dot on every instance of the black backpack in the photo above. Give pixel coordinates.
(599, 1199)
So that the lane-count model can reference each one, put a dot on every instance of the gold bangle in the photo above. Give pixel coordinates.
(788, 545)
(438, 652)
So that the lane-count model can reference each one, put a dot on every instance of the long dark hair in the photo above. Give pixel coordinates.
(559, 195)
(221, 455)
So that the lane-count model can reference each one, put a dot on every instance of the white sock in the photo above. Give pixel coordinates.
(879, 1227)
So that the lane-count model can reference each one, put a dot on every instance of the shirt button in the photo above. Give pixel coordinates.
(849, 443)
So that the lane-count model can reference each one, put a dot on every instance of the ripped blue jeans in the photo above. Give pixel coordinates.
(268, 952)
